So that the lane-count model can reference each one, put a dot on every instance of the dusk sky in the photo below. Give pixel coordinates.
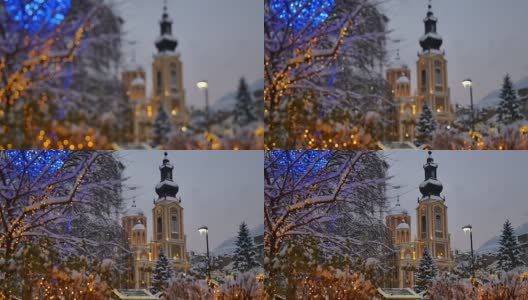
(219, 41)
(219, 189)
(482, 39)
(482, 188)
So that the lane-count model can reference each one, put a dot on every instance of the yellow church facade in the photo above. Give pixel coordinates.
(168, 232)
(167, 88)
(431, 84)
(431, 232)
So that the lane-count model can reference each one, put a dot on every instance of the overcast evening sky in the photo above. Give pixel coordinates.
(482, 39)
(482, 188)
(219, 41)
(219, 189)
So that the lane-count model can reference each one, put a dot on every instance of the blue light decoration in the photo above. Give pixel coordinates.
(32, 15)
(23, 159)
(285, 158)
(301, 12)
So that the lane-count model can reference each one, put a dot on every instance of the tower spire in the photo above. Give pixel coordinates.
(431, 40)
(165, 42)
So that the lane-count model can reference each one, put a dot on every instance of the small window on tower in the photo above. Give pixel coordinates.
(424, 227)
(438, 76)
(424, 81)
(159, 228)
(159, 81)
(174, 79)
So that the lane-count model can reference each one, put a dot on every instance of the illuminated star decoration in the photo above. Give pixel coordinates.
(32, 15)
(300, 13)
(52, 159)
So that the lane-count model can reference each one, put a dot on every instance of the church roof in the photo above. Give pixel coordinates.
(138, 226)
(403, 79)
(138, 81)
(431, 186)
(431, 39)
(403, 225)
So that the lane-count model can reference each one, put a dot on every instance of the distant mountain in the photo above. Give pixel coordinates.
(493, 99)
(228, 246)
(492, 245)
(227, 102)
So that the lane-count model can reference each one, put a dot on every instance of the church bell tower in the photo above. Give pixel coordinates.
(431, 213)
(167, 218)
(167, 74)
(431, 68)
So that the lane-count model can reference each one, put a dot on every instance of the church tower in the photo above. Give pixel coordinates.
(167, 74)
(399, 223)
(431, 213)
(431, 69)
(399, 78)
(167, 218)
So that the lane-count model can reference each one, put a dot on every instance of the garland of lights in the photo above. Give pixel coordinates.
(37, 14)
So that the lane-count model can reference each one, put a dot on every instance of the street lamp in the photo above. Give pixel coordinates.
(204, 230)
(468, 83)
(204, 85)
(469, 228)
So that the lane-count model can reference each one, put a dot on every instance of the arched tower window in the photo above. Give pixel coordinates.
(159, 81)
(438, 76)
(159, 228)
(424, 80)
(424, 227)
(175, 226)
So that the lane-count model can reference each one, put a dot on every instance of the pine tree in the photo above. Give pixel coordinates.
(161, 128)
(425, 127)
(427, 271)
(163, 273)
(244, 105)
(245, 253)
(509, 109)
(509, 253)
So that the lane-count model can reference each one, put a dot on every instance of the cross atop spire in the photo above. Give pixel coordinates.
(134, 202)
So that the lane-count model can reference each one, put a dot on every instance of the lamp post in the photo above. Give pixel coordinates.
(468, 83)
(469, 228)
(204, 85)
(204, 230)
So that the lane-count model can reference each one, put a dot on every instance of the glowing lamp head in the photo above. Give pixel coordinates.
(202, 84)
(467, 229)
(467, 83)
(203, 230)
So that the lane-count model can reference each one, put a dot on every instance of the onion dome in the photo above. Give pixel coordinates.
(167, 187)
(134, 211)
(430, 186)
(431, 39)
(402, 80)
(402, 225)
(138, 227)
(397, 209)
(138, 82)
(165, 42)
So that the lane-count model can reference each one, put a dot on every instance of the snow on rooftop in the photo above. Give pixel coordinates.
(402, 79)
(403, 225)
(138, 226)
(138, 81)
(433, 35)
